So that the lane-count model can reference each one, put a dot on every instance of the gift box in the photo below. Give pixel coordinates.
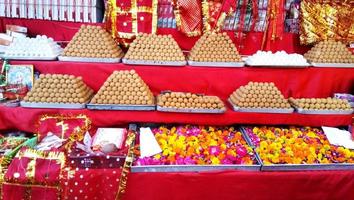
(34, 175)
(103, 156)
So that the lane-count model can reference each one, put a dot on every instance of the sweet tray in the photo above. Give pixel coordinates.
(216, 64)
(277, 66)
(120, 107)
(261, 110)
(28, 58)
(52, 105)
(324, 112)
(95, 60)
(340, 65)
(158, 63)
(193, 168)
(302, 167)
(185, 110)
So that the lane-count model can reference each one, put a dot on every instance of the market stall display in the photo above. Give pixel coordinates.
(152, 49)
(215, 50)
(330, 54)
(297, 148)
(58, 91)
(123, 90)
(189, 103)
(38, 48)
(259, 97)
(321, 105)
(197, 148)
(92, 44)
(278, 59)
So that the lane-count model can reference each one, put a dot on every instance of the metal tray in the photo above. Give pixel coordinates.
(339, 65)
(94, 60)
(324, 112)
(261, 110)
(248, 139)
(157, 63)
(120, 107)
(278, 66)
(304, 167)
(28, 58)
(52, 105)
(184, 110)
(192, 168)
(216, 64)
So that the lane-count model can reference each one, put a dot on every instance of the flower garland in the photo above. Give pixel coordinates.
(193, 145)
(294, 145)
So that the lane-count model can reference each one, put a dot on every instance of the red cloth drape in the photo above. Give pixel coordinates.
(64, 31)
(310, 82)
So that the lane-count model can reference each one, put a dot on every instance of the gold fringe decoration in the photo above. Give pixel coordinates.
(127, 164)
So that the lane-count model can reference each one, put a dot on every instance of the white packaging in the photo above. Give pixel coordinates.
(85, 12)
(8, 8)
(46, 9)
(78, 11)
(30, 9)
(93, 14)
(39, 9)
(70, 10)
(23, 9)
(54, 12)
(15, 9)
(2, 9)
(62, 12)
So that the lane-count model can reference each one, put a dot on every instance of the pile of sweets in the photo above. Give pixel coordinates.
(124, 87)
(189, 101)
(259, 95)
(199, 145)
(296, 145)
(58, 88)
(93, 42)
(215, 47)
(278, 58)
(150, 47)
(37, 47)
(321, 103)
(330, 52)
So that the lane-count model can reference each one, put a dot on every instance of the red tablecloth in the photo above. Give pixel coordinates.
(64, 31)
(225, 185)
(310, 82)
(242, 185)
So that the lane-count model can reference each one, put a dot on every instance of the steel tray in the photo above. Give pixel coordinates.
(120, 107)
(94, 60)
(52, 105)
(337, 65)
(324, 112)
(216, 64)
(157, 63)
(192, 168)
(185, 110)
(261, 110)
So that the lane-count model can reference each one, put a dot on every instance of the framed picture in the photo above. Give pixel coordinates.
(20, 74)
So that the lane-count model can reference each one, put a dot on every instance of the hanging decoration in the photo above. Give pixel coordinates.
(126, 18)
(324, 20)
(274, 24)
(188, 14)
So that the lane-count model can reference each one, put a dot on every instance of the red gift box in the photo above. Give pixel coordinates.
(34, 174)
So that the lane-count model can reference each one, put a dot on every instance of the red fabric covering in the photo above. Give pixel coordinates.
(310, 82)
(241, 185)
(64, 31)
(103, 184)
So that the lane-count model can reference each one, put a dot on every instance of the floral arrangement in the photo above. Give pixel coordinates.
(296, 145)
(199, 145)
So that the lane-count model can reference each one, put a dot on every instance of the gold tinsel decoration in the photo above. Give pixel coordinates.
(324, 20)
